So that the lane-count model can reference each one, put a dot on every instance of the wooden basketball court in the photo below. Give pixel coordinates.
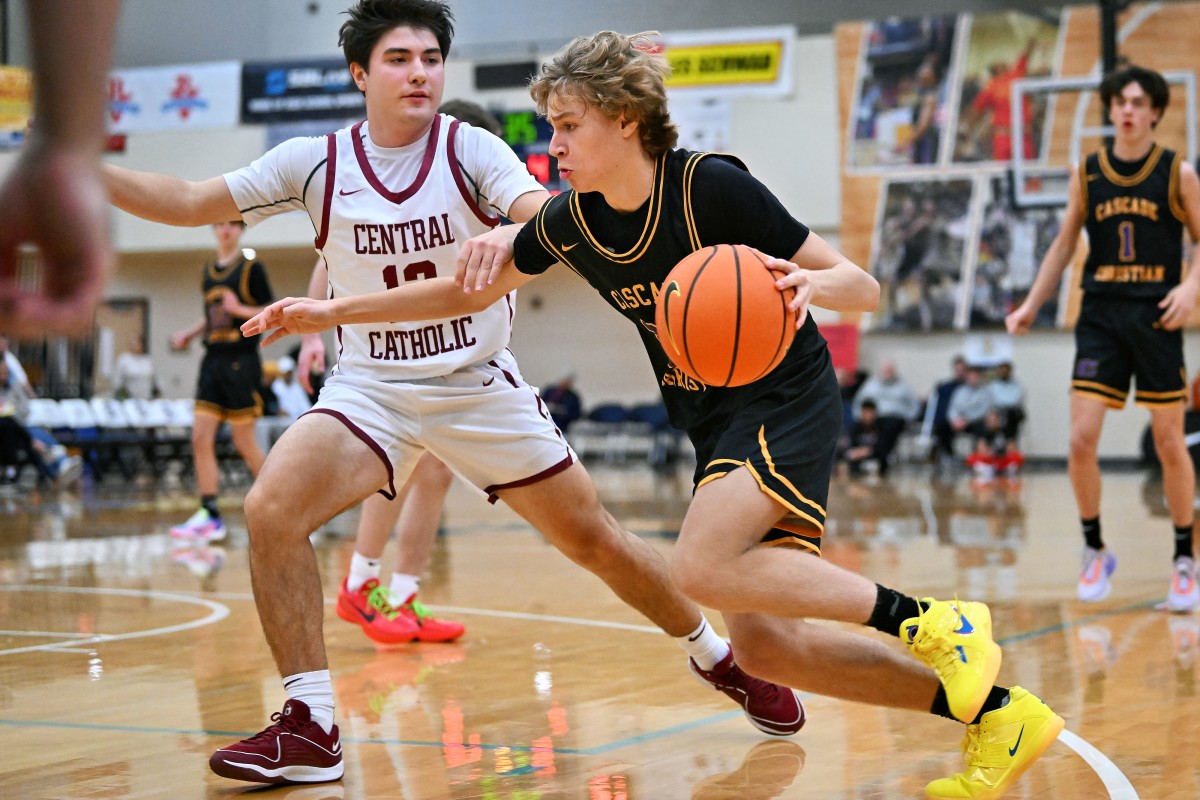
(126, 658)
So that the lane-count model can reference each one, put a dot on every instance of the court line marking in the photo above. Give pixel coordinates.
(1118, 786)
(1110, 774)
(216, 613)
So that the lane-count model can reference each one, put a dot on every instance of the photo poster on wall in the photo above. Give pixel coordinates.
(1011, 245)
(928, 149)
(921, 251)
(1001, 48)
(900, 100)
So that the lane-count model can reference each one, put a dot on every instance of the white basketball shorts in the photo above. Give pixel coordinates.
(483, 421)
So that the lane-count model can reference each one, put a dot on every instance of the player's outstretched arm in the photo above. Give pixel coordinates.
(170, 200)
(436, 298)
(1056, 260)
(824, 277)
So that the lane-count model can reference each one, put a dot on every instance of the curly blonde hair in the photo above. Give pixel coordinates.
(617, 74)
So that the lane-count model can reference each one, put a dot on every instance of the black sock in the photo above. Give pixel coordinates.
(1091, 533)
(1183, 541)
(892, 609)
(209, 503)
(996, 698)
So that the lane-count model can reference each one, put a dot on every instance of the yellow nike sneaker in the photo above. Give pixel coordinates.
(955, 641)
(1000, 748)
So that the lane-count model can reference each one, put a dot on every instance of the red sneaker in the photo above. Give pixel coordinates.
(371, 608)
(429, 629)
(292, 750)
(771, 708)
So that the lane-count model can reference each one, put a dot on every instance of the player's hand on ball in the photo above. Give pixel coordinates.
(793, 278)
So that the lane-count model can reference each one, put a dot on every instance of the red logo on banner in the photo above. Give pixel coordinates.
(184, 94)
(119, 100)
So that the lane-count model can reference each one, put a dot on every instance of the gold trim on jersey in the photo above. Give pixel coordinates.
(653, 217)
(1174, 195)
(1084, 178)
(544, 238)
(689, 216)
(1118, 179)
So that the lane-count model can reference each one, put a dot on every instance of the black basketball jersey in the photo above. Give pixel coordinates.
(697, 200)
(1134, 220)
(247, 280)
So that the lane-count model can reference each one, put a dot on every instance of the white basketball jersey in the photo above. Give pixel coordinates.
(374, 237)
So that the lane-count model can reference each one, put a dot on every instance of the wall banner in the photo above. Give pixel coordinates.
(299, 91)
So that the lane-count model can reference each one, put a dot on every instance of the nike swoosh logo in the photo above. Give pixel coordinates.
(965, 627)
(365, 615)
(490, 381)
(669, 290)
(343, 192)
(1013, 750)
(567, 247)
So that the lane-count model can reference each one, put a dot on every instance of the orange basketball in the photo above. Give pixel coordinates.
(720, 318)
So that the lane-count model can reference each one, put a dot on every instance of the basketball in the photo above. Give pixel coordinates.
(720, 318)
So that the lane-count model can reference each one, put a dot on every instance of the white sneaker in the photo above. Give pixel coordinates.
(1184, 594)
(1094, 583)
(200, 525)
(69, 470)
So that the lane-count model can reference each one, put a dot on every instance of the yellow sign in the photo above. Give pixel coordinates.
(16, 98)
(755, 63)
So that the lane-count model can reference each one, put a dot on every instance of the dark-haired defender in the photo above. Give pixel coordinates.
(765, 450)
(1134, 199)
(392, 200)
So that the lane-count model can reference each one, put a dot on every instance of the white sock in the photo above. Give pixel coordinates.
(362, 569)
(315, 690)
(404, 586)
(704, 646)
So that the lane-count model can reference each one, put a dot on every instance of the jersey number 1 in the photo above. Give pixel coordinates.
(1125, 232)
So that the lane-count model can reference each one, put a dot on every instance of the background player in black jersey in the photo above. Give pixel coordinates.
(1134, 199)
(235, 289)
(765, 450)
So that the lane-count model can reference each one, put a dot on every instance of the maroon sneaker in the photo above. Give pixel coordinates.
(771, 708)
(293, 750)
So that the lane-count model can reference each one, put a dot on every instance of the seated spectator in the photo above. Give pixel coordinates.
(15, 370)
(283, 404)
(967, 411)
(895, 404)
(563, 402)
(861, 442)
(289, 394)
(48, 457)
(937, 424)
(994, 452)
(133, 374)
(849, 382)
(1008, 397)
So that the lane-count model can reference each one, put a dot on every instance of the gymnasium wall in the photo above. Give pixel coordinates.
(795, 145)
(1149, 34)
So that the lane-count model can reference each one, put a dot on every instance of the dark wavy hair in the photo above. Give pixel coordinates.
(371, 19)
(1152, 83)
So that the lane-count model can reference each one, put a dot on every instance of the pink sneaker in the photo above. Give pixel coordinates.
(200, 525)
(771, 708)
(292, 750)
